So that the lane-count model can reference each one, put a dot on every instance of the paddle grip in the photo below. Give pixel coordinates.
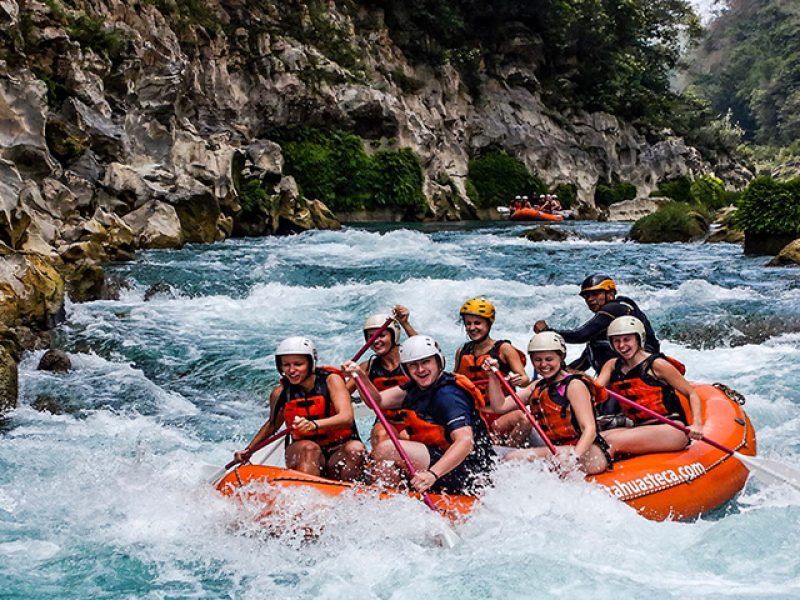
(372, 403)
(524, 409)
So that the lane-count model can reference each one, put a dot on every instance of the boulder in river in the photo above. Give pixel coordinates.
(54, 360)
(545, 233)
(789, 255)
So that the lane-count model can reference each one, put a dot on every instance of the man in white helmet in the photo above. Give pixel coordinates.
(314, 403)
(440, 412)
(383, 367)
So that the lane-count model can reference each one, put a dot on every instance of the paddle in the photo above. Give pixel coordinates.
(767, 470)
(504, 210)
(524, 409)
(266, 442)
(450, 537)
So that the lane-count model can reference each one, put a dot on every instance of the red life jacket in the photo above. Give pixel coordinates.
(382, 378)
(552, 409)
(433, 434)
(642, 386)
(471, 366)
(313, 404)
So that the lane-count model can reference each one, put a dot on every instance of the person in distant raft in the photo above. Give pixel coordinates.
(440, 412)
(600, 294)
(654, 381)
(478, 316)
(562, 403)
(383, 367)
(314, 403)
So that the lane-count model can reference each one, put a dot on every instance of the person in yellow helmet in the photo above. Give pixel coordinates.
(478, 315)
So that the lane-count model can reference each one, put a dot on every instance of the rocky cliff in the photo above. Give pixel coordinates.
(133, 123)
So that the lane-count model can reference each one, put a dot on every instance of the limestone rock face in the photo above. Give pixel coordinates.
(155, 225)
(9, 371)
(789, 255)
(633, 210)
(31, 291)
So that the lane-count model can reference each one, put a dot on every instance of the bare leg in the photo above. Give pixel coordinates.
(347, 463)
(645, 439)
(593, 461)
(388, 466)
(379, 435)
(305, 456)
(512, 429)
(530, 454)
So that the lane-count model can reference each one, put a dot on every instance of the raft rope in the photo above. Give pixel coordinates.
(731, 393)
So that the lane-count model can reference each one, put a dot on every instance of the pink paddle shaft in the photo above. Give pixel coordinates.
(665, 420)
(524, 409)
(372, 339)
(392, 435)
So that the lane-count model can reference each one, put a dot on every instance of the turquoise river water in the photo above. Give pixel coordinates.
(106, 496)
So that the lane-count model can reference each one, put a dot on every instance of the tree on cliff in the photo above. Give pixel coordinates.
(749, 64)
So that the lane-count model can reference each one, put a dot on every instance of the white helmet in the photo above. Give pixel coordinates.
(418, 347)
(626, 325)
(547, 341)
(297, 344)
(377, 320)
(524, 197)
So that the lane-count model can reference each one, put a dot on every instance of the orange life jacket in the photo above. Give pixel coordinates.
(471, 366)
(433, 434)
(642, 386)
(313, 404)
(382, 378)
(552, 409)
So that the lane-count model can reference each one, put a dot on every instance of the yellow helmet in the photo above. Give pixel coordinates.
(480, 307)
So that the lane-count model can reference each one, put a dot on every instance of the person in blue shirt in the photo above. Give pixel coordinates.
(440, 412)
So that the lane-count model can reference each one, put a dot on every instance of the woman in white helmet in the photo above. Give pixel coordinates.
(314, 403)
(383, 368)
(440, 413)
(652, 380)
(562, 403)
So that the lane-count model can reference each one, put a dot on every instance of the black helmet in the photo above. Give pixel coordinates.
(597, 282)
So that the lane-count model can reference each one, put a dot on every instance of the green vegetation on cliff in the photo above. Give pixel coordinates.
(332, 166)
(495, 178)
(750, 64)
(611, 55)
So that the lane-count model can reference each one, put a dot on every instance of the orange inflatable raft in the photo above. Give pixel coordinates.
(534, 214)
(262, 483)
(682, 485)
(674, 485)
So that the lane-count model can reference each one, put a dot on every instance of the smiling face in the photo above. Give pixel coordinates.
(625, 345)
(546, 362)
(477, 327)
(424, 372)
(295, 367)
(382, 344)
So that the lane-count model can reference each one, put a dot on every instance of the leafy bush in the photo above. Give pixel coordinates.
(332, 166)
(606, 194)
(708, 191)
(770, 207)
(678, 188)
(397, 180)
(89, 32)
(673, 222)
(253, 198)
(498, 177)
